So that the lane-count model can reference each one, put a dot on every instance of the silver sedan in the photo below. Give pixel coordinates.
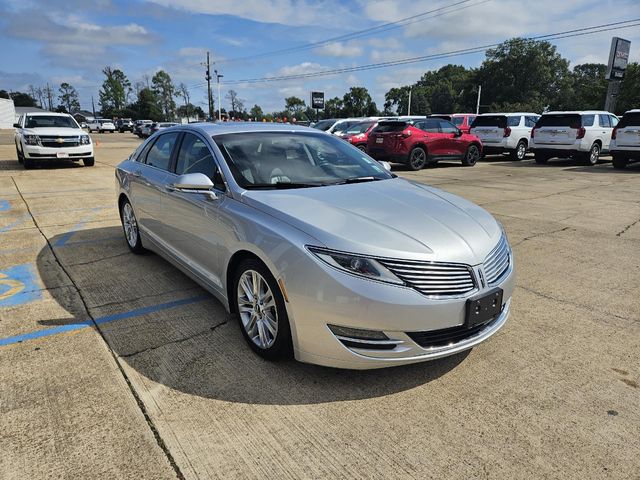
(320, 250)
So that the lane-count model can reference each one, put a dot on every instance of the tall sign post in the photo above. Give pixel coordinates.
(317, 102)
(618, 59)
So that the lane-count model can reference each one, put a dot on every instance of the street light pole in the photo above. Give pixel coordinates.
(409, 107)
(218, 77)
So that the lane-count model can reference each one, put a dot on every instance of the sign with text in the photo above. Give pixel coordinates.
(317, 100)
(618, 58)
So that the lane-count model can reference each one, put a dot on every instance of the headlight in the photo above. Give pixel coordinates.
(85, 140)
(356, 265)
(32, 139)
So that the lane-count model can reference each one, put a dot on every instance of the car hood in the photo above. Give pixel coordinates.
(53, 131)
(390, 218)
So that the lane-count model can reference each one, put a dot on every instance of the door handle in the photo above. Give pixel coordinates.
(137, 174)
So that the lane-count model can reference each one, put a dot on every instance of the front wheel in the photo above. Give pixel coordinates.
(471, 156)
(130, 227)
(89, 162)
(520, 152)
(362, 147)
(20, 155)
(594, 155)
(541, 159)
(417, 158)
(260, 306)
(619, 162)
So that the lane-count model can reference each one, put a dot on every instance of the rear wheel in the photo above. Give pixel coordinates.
(593, 156)
(260, 306)
(362, 147)
(541, 158)
(130, 227)
(471, 156)
(520, 152)
(417, 158)
(89, 162)
(619, 162)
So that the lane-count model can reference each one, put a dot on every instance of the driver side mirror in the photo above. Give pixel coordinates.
(458, 133)
(17, 125)
(193, 183)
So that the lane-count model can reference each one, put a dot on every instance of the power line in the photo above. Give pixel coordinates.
(467, 51)
(365, 32)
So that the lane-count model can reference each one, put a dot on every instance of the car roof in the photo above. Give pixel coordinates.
(47, 114)
(577, 112)
(634, 110)
(508, 114)
(221, 128)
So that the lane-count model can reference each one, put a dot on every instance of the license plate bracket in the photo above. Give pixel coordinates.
(62, 154)
(379, 140)
(483, 308)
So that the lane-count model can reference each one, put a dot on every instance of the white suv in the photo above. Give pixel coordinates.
(582, 135)
(504, 132)
(101, 125)
(51, 136)
(625, 139)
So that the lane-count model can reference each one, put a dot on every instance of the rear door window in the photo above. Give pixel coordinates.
(431, 125)
(447, 127)
(195, 157)
(614, 120)
(530, 121)
(499, 121)
(604, 121)
(630, 120)
(159, 154)
(571, 120)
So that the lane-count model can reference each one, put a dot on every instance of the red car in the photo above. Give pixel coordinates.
(358, 134)
(417, 143)
(461, 120)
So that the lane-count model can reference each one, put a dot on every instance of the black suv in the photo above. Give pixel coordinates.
(124, 125)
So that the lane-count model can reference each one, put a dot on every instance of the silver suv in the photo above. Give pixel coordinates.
(582, 135)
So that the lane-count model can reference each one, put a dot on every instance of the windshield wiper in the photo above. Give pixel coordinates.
(357, 180)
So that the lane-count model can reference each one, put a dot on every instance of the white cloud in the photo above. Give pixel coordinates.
(339, 49)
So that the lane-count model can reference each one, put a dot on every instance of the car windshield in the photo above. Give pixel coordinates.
(272, 160)
(55, 121)
(359, 128)
(324, 125)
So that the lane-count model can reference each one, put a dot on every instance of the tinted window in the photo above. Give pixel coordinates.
(42, 121)
(630, 120)
(324, 125)
(614, 120)
(513, 121)
(490, 121)
(447, 127)
(384, 127)
(530, 121)
(604, 121)
(359, 127)
(560, 120)
(587, 120)
(160, 153)
(458, 121)
(431, 125)
(195, 157)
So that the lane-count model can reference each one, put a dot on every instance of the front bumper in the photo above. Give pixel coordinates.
(37, 152)
(324, 296)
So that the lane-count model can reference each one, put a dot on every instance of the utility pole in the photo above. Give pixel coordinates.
(478, 103)
(409, 106)
(208, 77)
(218, 77)
(50, 100)
(93, 106)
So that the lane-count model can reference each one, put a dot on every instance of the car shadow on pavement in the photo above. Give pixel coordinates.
(48, 165)
(196, 347)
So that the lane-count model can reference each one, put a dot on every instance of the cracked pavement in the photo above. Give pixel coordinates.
(159, 383)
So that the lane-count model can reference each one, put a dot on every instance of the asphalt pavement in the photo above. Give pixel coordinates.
(118, 366)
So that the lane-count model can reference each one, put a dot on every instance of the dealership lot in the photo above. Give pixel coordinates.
(116, 365)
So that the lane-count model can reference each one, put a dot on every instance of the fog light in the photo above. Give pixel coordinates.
(357, 333)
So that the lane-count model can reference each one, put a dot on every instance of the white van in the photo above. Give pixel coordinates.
(504, 132)
(581, 135)
(625, 139)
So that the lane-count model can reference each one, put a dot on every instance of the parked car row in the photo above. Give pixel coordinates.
(418, 140)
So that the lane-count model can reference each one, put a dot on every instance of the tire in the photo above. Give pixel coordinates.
(362, 147)
(520, 152)
(20, 155)
(541, 159)
(619, 163)
(593, 156)
(89, 162)
(471, 156)
(418, 159)
(259, 320)
(130, 228)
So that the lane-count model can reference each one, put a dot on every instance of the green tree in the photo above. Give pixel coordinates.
(333, 108)
(256, 113)
(237, 104)
(147, 107)
(629, 96)
(68, 97)
(21, 99)
(358, 103)
(4, 94)
(190, 110)
(165, 91)
(114, 92)
(294, 106)
(526, 72)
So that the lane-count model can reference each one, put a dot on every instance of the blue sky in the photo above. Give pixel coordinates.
(72, 40)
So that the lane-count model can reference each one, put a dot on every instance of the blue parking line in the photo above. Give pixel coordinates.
(78, 226)
(4, 205)
(20, 220)
(100, 321)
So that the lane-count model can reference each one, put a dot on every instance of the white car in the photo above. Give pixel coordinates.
(342, 125)
(505, 132)
(101, 125)
(51, 136)
(625, 139)
(582, 135)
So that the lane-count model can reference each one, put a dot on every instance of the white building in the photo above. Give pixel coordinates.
(7, 113)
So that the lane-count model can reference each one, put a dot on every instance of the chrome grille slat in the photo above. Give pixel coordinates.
(433, 279)
(497, 262)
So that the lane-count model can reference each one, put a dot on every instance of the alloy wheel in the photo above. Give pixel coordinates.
(257, 309)
(594, 155)
(522, 151)
(418, 158)
(472, 156)
(130, 225)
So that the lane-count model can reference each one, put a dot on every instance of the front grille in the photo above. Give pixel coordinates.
(497, 262)
(433, 279)
(59, 142)
(448, 336)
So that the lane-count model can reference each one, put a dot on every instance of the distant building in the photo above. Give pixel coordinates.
(83, 116)
(7, 113)
(22, 110)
